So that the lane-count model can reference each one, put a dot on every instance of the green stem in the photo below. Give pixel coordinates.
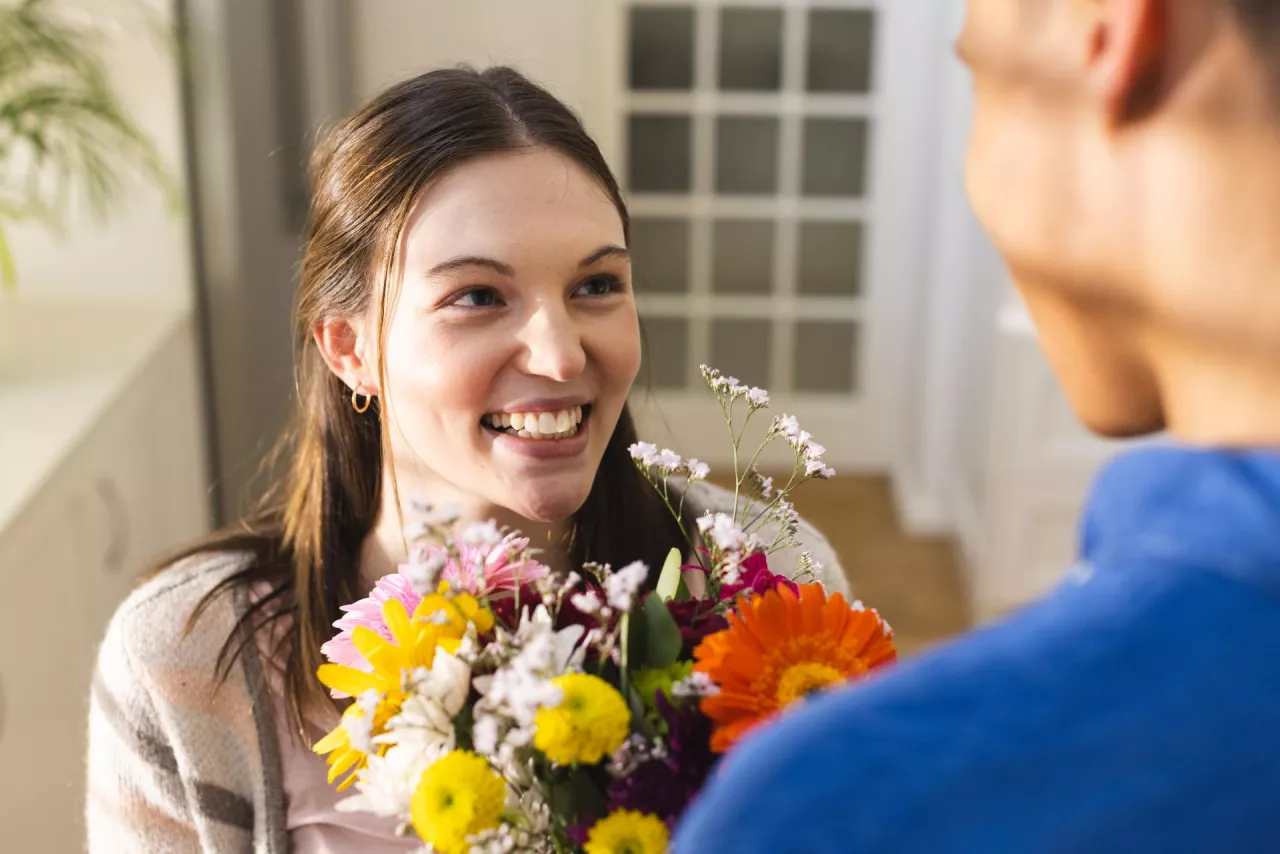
(624, 680)
(735, 441)
(750, 466)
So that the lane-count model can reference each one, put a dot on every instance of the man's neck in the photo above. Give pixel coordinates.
(1212, 400)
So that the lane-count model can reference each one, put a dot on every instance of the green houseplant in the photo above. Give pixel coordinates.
(63, 132)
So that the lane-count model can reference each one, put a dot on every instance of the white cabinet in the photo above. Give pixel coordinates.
(132, 488)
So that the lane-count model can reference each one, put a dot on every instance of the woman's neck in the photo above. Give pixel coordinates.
(385, 547)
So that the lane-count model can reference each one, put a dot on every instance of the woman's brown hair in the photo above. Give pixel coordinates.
(303, 540)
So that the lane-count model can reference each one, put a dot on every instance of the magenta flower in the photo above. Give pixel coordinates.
(757, 578)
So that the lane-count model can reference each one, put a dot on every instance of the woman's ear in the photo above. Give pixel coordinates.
(344, 347)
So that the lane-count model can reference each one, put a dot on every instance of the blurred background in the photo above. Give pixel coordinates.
(794, 174)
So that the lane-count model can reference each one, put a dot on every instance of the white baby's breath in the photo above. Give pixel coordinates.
(668, 461)
(696, 469)
(588, 602)
(522, 684)
(424, 574)
(765, 485)
(644, 452)
(484, 533)
(620, 587)
(694, 686)
(720, 528)
(359, 727)
(787, 426)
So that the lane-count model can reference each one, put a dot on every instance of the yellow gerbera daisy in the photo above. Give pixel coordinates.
(627, 832)
(590, 723)
(458, 796)
(414, 645)
(344, 755)
(458, 608)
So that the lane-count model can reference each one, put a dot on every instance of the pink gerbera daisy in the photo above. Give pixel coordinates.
(481, 569)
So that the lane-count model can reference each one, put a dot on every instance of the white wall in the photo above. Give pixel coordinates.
(951, 315)
(143, 251)
(572, 47)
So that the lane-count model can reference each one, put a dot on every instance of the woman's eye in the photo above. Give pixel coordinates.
(478, 298)
(598, 286)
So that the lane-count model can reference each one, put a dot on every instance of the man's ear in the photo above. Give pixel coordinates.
(345, 350)
(1127, 52)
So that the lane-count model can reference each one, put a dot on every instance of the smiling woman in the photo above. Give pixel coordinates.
(466, 334)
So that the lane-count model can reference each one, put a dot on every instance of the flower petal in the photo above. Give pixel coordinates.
(348, 680)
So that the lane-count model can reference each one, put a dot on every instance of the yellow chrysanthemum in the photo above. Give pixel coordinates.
(415, 641)
(458, 796)
(590, 723)
(627, 832)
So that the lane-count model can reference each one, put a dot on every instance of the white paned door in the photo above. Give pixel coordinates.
(757, 152)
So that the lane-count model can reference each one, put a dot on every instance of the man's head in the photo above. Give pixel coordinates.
(1125, 159)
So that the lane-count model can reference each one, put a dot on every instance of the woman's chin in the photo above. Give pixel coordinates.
(546, 505)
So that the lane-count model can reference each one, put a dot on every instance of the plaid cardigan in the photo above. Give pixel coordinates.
(179, 761)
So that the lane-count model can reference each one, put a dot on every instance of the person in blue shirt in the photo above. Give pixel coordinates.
(1125, 159)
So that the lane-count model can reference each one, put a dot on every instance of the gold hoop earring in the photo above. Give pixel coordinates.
(359, 407)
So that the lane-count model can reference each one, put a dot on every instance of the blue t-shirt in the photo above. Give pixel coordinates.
(1135, 709)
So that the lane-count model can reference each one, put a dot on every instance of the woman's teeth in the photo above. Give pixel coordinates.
(536, 425)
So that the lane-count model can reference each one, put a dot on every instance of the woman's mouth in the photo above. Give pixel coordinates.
(558, 424)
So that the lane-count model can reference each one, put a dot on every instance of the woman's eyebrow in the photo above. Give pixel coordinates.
(464, 262)
(602, 253)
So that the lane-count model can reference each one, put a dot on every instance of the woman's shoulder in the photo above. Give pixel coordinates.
(705, 497)
(154, 623)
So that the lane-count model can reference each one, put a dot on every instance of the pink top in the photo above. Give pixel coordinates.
(315, 824)
(312, 817)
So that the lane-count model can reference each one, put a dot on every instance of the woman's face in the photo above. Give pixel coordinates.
(515, 306)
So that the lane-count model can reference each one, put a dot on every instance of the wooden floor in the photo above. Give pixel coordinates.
(913, 582)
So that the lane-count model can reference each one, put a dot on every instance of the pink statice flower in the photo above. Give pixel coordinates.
(480, 568)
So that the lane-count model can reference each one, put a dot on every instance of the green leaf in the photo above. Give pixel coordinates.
(577, 796)
(626, 632)
(635, 640)
(669, 580)
(639, 714)
(662, 635)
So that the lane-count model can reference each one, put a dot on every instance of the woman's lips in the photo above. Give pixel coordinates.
(544, 449)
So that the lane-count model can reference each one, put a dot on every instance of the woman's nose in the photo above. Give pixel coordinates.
(553, 346)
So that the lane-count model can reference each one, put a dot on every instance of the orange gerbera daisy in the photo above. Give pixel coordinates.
(778, 649)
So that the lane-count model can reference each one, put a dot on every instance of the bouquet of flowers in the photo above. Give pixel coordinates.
(496, 707)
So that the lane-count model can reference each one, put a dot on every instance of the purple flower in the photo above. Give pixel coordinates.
(696, 618)
(665, 787)
(654, 787)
